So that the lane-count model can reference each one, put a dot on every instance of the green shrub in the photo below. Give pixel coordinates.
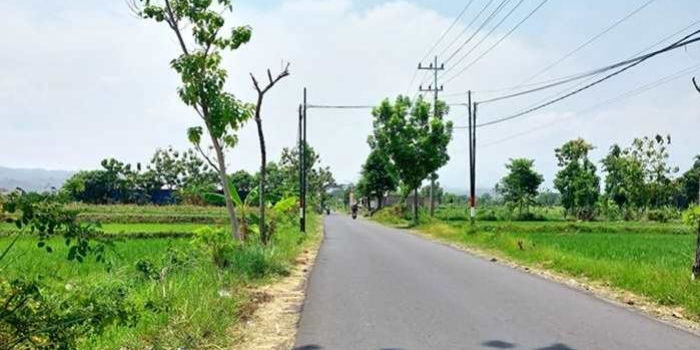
(216, 243)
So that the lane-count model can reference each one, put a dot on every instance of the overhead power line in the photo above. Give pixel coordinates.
(454, 22)
(466, 28)
(483, 24)
(473, 62)
(572, 77)
(444, 34)
(593, 72)
(463, 57)
(586, 43)
(629, 94)
(664, 39)
(682, 43)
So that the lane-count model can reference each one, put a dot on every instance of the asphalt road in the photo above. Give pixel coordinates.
(379, 288)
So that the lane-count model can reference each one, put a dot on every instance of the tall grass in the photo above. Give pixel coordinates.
(180, 298)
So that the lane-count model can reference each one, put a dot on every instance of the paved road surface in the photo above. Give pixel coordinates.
(376, 288)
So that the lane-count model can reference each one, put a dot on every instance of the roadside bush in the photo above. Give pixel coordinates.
(256, 261)
(34, 317)
(216, 243)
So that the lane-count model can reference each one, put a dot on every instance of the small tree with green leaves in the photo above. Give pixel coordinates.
(520, 186)
(577, 180)
(414, 138)
(202, 76)
(378, 176)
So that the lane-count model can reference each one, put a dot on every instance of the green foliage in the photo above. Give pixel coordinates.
(378, 176)
(439, 192)
(32, 318)
(319, 178)
(203, 78)
(216, 243)
(577, 180)
(519, 187)
(688, 185)
(548, 198)
(691, 216)
(414, 138)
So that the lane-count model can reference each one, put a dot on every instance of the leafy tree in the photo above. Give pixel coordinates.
(652, 153)
(577, 180)
(110, 184)
(244, 182)
(261, 138)
(548, 198)
(203, 77)
(520, 186)
(180, 170)
(689, 182)
(167, 167)
(378, 177)
(438, 192)
(414, 139)
(624, 183)
(319, 179)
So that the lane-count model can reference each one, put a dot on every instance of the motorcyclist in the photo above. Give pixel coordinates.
(353, 208)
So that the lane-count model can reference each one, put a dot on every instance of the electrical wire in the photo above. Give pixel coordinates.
(568, 78)
(682, 43)
(623, 96)
(592, 72)
(454, 22)
(664, 39)
(499, 41)
(466, 28)
(586, 43)
(463, 57)
(483, 24)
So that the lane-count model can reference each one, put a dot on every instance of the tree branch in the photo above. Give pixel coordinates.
(174, 25)
(272, 82)
(206, 157)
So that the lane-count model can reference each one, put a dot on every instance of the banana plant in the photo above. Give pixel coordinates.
(248, 218)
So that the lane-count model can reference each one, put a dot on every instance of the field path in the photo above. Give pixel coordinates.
(377, 288)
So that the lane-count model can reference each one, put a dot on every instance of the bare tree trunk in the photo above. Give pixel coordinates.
(227, 189)
(261, 137)
(432, 195)
(263, 173)
(415, 206)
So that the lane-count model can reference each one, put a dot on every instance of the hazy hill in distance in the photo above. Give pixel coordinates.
(32, 179)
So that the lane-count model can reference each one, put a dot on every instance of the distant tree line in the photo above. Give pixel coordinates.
(638, 181)
(174, 177)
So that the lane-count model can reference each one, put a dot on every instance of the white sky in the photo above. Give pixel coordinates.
(80, 81)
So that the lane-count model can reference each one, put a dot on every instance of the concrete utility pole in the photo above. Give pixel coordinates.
(302, 226)
(472, 157)
(435, 89)
(302, 165)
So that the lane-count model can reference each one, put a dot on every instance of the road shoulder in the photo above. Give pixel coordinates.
(274, 323)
